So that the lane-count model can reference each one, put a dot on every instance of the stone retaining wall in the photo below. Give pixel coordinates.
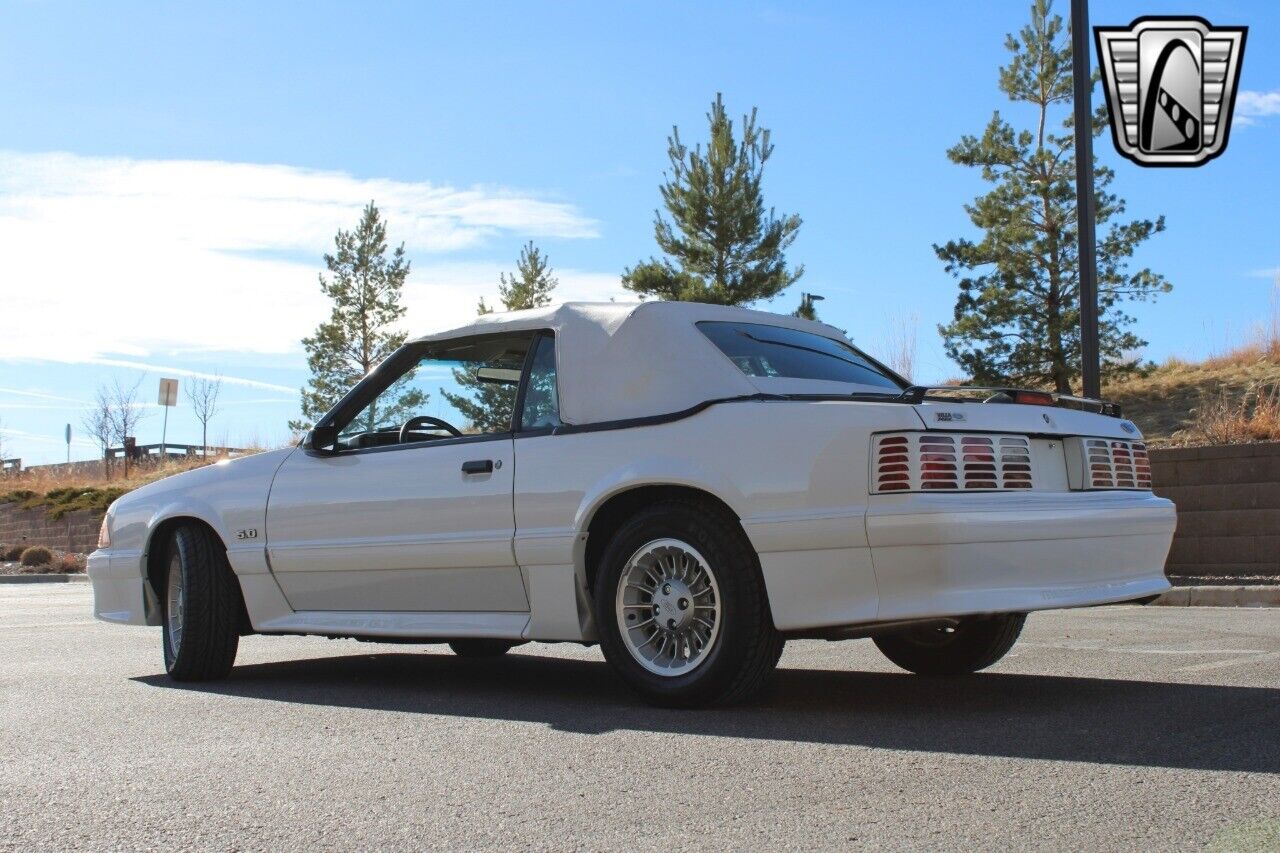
(76, 531)
(1228, 501)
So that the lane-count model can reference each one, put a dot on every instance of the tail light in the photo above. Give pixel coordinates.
(1110, 463)
(950, 461)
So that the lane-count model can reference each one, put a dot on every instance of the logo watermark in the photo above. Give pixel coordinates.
(1170, 84)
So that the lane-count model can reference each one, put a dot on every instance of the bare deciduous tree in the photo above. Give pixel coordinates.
(898, 350)
(97, 423)
(114, 417)
(126, 411)
(203, 394)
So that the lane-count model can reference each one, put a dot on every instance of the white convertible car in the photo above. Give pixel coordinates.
(686, 485)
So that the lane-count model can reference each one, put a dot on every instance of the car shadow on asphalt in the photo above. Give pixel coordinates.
(1098, 720)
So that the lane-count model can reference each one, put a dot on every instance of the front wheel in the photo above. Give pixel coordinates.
(201, 607)
(681, 607)
(973, 644)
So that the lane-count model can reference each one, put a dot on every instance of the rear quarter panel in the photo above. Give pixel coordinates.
(795, 473)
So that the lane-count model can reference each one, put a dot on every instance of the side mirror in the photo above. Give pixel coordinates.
(323, 439)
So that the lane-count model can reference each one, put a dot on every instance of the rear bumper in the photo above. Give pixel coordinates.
(120, 592)
(949, 555)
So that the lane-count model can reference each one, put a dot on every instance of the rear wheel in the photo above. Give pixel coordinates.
(480, 647)
(201, 625)
(681, 607)
(975, 643)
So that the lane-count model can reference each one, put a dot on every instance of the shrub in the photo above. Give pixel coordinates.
(68, 564)
(13, 553)
(37, 555)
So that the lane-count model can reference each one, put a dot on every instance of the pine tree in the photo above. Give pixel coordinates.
(531, 285)
(1017, 317)
(487, 406)
(365, 287)
(727, 248)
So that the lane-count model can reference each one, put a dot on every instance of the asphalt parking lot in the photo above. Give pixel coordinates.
(1103, 729)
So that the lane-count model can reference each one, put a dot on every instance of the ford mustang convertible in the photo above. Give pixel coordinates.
(687, 485)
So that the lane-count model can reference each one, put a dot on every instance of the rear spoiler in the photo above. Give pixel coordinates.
(921, 393)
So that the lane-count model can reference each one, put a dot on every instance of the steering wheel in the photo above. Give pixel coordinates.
(426, 420)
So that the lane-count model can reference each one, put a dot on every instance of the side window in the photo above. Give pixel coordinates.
(541, 401)
(443, 390)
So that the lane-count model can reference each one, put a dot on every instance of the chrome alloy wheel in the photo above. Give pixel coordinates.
(668, 607)
(175, 603)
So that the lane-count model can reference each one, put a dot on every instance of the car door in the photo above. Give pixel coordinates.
(408, 518)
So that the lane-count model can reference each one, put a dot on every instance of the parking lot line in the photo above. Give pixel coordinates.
(1222, 664)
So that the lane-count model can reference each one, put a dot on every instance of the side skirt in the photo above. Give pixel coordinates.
(447, 625)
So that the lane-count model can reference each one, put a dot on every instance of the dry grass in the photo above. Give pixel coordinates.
(1236, 419)
(44, 480)
(1184, 402)
(1229, 397)
(1263, 343)
(88, 486)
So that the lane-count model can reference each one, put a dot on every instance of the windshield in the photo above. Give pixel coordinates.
(775, 351)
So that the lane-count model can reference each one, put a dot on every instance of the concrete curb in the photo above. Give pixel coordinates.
(1221, 596)
(45, 578)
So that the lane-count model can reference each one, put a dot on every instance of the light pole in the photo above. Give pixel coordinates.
(806, 303)
(1081, 70)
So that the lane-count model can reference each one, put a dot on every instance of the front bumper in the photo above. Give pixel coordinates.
(957, 554)
(121, 593)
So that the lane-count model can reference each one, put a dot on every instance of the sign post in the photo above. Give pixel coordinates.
(168, 398)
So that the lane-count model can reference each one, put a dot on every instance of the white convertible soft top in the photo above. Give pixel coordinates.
(616, 361)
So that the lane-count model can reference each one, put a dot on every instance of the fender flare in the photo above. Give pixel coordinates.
(677, 471)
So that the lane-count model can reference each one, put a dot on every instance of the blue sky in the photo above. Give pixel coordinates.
(170, 175)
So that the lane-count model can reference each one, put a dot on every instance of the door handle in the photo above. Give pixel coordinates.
(478, 466)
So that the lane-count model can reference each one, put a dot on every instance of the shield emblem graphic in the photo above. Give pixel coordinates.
(1170, 85)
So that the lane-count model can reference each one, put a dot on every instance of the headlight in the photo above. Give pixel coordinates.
(104, 533)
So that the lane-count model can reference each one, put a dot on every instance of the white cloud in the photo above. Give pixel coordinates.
(444, 296)
(44, 439)
(191, 374)
(122, 257)
(1251, 105)
(41, 395)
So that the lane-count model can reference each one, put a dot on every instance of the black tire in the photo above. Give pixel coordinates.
(205, 647)
(481, 647)
(746, 649)
(976, 643)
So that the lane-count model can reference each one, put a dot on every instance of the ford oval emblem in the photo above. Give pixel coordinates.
(1128, 427)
